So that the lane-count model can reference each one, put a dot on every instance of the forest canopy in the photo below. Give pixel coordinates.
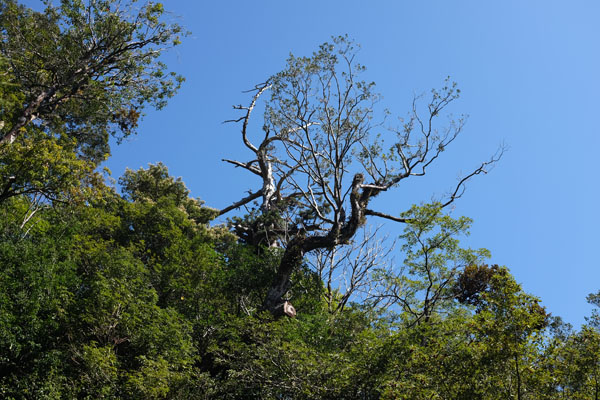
(132, 290)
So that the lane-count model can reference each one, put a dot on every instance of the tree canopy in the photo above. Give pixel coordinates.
(131, 290)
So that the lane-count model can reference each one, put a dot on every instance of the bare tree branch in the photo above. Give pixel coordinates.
(386, 216)
(260, 89)
(247, 165)
(484, 168)
(318, 133)
(240, 203)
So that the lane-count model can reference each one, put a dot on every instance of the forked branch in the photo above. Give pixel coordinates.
(318, 124)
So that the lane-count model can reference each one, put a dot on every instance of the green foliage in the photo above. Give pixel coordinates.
(84, 69)
(136, 296)
(70, 77)
(86, 295)
(46, 168)
(424, 287)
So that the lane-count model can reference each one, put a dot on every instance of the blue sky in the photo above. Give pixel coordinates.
(528, 71)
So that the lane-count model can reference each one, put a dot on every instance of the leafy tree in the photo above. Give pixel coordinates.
(98, 302)
(36, 292)
(85, 69)
(134, 296)
(423, 287)
(492, 352)
(46, 169)
(573, 359)
(70, 77)
(509, 325)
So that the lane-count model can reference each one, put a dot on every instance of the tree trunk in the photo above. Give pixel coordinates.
(300, 245)
(292, 258)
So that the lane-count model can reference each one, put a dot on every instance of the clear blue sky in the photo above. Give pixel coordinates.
(528, 71)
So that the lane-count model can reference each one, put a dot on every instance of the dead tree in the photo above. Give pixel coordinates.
(319, 158)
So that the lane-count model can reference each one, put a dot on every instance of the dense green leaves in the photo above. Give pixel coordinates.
(135, 295)
(86, 295)
(70, 77)
(83, 69)
(45, 168)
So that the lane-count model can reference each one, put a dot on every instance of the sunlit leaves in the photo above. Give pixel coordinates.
(85, 69)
